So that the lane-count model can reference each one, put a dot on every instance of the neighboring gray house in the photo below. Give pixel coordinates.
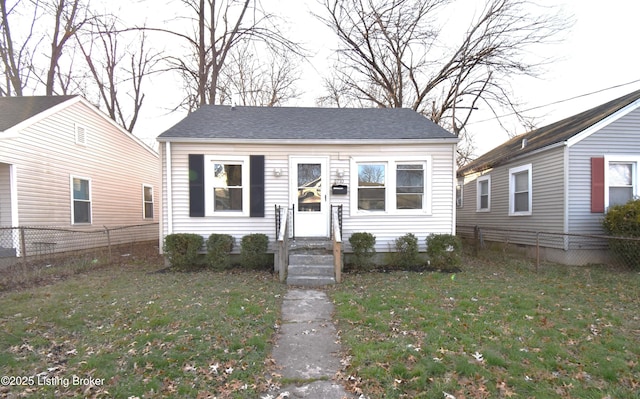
(225, 169)
(560, 178)
(65, 164)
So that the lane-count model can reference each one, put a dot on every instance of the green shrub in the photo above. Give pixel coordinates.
(624, 221)
(444, 251)
(363, 246)
(253, 251)
(219, 247)
(182, 249)
(406, 254)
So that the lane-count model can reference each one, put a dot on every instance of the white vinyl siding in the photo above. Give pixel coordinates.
(45, 154)
(385, 225)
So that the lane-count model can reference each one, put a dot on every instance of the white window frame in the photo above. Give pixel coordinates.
(635, 178)
(144, 203)
(209, 161)
(460, 197)
(80, 134)
(479, 180)
(73, 200)
(512, 183)
(390, 184)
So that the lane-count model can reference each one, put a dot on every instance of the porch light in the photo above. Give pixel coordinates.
(339, 172)
(277, 172)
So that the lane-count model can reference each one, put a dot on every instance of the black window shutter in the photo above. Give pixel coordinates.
(256, 182)
(196, 185)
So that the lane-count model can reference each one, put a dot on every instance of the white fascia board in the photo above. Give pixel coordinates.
(603, 123)
(305, 141)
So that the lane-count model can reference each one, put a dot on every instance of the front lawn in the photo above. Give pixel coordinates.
(127, 331)
(498, 329)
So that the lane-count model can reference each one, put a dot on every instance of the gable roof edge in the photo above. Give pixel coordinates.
(13, 130)
(602, 123)
(117, 126)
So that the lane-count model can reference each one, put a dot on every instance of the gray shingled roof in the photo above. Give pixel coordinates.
(290, 123)
(14, 110)
(548, 135)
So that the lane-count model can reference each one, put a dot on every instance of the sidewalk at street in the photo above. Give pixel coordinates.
(307, 347)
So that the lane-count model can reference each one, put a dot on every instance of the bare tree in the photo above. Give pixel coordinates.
(69, 17)
(118, 71)
(219, 26)
(17, 53)
(392, 54)
(267, 79)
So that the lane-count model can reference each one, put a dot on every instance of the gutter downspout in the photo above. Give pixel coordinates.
(169, 188)
(566, 196)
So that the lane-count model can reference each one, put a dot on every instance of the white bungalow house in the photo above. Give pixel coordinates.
(225, 170)
(557, 179)
(65, 164)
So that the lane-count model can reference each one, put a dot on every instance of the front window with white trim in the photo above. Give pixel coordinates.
(392, 185)
(226, 182)
(520, 191)
(484, 193)
(622, 180)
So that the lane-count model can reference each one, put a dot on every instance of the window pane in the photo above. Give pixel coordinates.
(371, 199)
(409, 201)
(81, 212)
(309, 187)
(522, 181)
(370, 175)
(620, 174)
(410, 178)
(484, 187)
(227, 175)
(521, 203)
(227, 199)
(148, 210)
(620, 195)
(484, 202)
(148, 194)
(80, 189)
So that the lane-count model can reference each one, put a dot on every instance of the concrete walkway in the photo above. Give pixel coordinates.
(307, 348)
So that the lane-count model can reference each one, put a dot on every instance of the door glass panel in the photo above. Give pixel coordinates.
(309, 187)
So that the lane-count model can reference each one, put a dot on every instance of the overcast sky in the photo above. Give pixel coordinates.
(599, 52)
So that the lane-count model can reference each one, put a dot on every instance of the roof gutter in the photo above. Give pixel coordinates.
(484, 167)
(453, 140)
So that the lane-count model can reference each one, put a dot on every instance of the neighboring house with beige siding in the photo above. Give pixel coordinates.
(64, 163)
(560, 178)
(226, 169)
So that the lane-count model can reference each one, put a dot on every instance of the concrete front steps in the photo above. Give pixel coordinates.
(310, 263)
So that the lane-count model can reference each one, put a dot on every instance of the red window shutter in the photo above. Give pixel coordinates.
(597, 185)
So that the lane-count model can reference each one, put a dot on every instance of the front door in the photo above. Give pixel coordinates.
(309, 195)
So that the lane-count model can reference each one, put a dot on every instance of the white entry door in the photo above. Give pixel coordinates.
(310, 196)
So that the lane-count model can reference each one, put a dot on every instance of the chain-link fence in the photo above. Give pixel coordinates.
(545, 247)
(44, 244)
